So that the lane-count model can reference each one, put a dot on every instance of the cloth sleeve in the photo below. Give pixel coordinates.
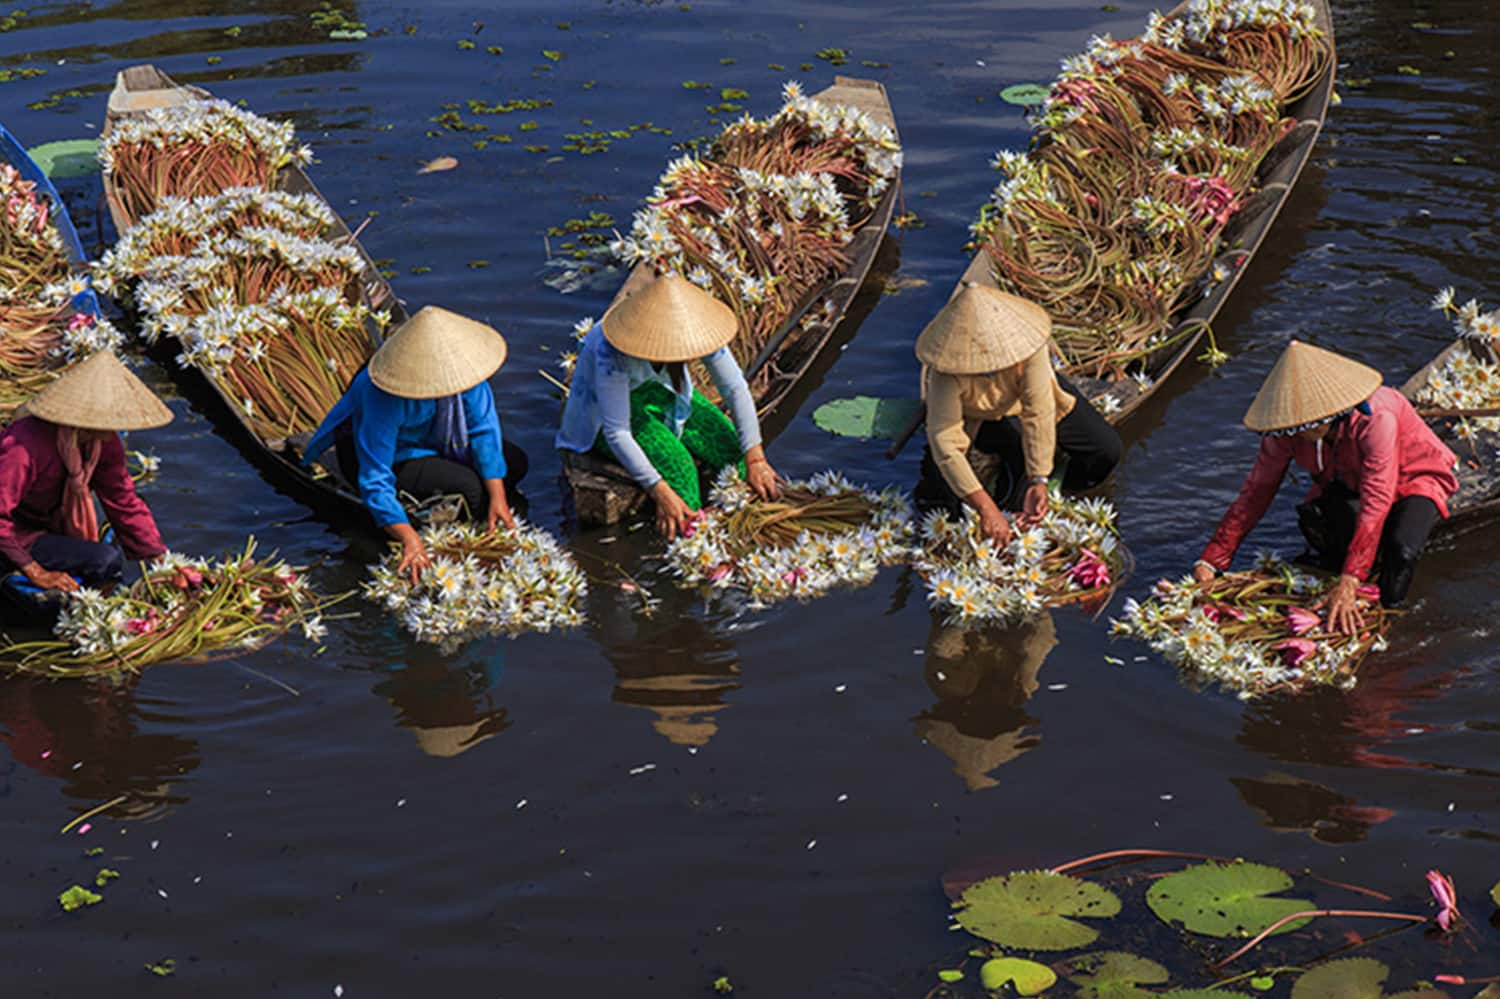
(946, 436)
(1038, 414)
(730, 381)
(15, 479)
(132, 519)
(1255, 497)
(375, 445)
(1379, 465)
(612, 387)
(485, 443)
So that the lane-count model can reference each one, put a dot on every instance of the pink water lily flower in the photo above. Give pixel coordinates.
(720, 571)
(1300, 620)
(1090, 572)
(1296, 651)
(1368, 591)
(1446, 896)
(1218, 613)
(793, 576)
(140, 626)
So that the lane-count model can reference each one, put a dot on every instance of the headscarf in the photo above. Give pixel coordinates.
(450, 428)
(79, 520)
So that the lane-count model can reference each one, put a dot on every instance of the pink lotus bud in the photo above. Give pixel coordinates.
(1444, 894)
(1300, 620)
(1368, 591)
(1090, 572)
(140, 626)
(1451, 979)
(1296, 651)
(720, 571)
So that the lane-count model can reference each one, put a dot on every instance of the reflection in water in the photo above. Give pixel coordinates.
(1287, 804)
(85, 734)
(449, 711)
(983, 677)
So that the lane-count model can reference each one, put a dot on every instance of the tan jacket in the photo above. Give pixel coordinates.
(958, 404)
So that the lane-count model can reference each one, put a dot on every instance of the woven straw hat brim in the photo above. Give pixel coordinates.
(437, 353)
(1309, 384)
(671, 319)
(100, 393)
(451, 740)
(983, 329)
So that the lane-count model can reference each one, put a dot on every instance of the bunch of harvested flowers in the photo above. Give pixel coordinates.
(821, 533)
(1255, 632)
(482, 583)
(1072, 556)
(1467, 381)
(201, 147)
(180, 608)
(1144, 150)
(47, 318)
(764, 217)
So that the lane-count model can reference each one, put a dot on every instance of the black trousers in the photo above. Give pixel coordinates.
(1088, 449)
(94, 562)
(424, 478)
(1328, 524)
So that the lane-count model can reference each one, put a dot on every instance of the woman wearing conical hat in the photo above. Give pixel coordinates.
(1381, 478)
(420, 420)
(57, 458)
(988, 380)
(632, 398)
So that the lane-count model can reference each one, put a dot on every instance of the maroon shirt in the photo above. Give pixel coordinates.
(31, 491)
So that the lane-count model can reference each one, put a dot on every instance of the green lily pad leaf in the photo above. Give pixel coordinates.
(951, 975)
(1495, 894)
(1031, 909)
(1115, 975)
(77, 897)
(1029, 977)
(865, 416)
(1351, 978)
(69, 158)
(1226, 900)
(1263, 983)
(1025, 94)
(1199, 994)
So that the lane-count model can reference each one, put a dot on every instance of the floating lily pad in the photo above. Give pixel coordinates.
(1031, 910)
(1116, 975)
(1351, 978)
(1226, 900)
(1028, 977)
(69, 158)
(1200, 994)
(866, 416)
(1024, 94)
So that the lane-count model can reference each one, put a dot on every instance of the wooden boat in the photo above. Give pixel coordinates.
(139, 89)
(16, 592)
(603, 493)
(1241, 238)
(1479, 469)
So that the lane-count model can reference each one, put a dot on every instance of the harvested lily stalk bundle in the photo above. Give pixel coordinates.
(1467, 381)
(41, 331)
(1144, 150)
(1255, 632)
(180, 608)
(822, 533)
(1072, 556)
(482, 583)
(764, 216)
(201, 147)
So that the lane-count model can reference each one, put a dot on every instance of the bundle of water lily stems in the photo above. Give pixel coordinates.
(1072, 556)
(764, 217)
(180, 608)
(1468, 381)
(1143, 151)
(1255, 632)
(257, 299)
(821, 533)
(201, 147)
(42, 332)
(482, 583)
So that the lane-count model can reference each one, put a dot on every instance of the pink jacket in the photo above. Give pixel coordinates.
(1386, 456)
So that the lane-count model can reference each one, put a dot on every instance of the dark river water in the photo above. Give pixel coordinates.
(647, 804)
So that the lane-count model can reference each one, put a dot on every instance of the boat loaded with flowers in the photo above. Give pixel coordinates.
(780, 219)
(249, 286)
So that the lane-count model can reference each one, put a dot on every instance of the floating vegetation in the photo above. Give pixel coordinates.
(696, 85)
(821, 533)
(1035, 910)
(1467, 382)
(1255, 632)
(21, 73)
(77, 897)
(1144, 150)
(765, 215)
(553, 55)
(12, 20)
(1226, 900)
(1072, 556)
(584, 235)
(836, 57)
(482, 583)
(337, 22)
(180, 608)
(194, 149)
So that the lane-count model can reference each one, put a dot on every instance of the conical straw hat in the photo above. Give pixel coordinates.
(671, 319)
(451, 740)
(983, 329)
(1309, 384)
(437, 353)
(100, 393)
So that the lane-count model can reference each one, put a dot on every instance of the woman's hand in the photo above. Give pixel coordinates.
(47, 579)
(1034, 506)
(1344, 615)
(1203, 572)
(761, 477)
(672, 514)
(992, 523)
(414, 557)
(499, 505)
